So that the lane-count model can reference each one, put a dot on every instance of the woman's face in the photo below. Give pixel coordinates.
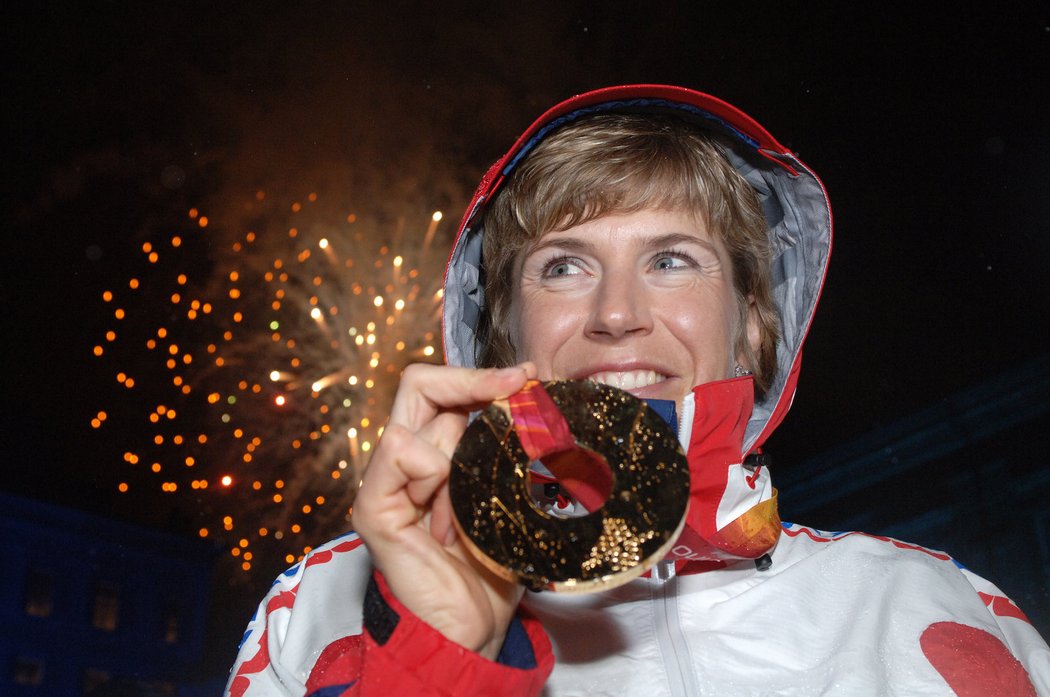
(642, 301)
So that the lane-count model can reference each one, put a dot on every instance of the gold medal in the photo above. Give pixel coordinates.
(606, 447)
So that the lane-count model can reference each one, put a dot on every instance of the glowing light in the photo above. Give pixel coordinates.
(285, 452)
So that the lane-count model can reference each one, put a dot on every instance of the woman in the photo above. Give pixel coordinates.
(657, 239)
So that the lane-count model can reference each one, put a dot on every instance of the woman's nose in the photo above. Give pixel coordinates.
(620, 308)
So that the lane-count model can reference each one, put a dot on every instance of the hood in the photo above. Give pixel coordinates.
(793, 199)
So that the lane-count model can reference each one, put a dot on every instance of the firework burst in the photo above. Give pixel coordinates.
(260, 380)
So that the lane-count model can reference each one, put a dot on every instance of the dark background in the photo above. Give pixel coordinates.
(926, 124)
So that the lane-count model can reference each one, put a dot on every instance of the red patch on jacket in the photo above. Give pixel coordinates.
(338, 664)
(1003, 607)
(973, 662)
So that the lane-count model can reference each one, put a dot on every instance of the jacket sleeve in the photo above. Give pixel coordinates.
(1022, 639)
(330, 626)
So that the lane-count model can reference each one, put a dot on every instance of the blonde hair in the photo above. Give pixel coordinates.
(623, 163)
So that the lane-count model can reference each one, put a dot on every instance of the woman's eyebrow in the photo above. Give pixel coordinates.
(673, 239)
(588, 246)
(574, 244)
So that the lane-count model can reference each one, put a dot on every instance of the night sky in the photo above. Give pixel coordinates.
(927, 128)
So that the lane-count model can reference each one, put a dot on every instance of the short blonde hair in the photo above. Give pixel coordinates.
(623, 163)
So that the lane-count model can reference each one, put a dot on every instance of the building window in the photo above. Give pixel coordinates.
(40, 594)
(172, 625)
(106, 614)
(93, 678)
(27, 671)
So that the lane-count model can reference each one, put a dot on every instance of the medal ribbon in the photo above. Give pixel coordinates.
(545, 436)
(541, 428)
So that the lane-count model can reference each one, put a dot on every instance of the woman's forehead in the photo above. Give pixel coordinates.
(659, 224)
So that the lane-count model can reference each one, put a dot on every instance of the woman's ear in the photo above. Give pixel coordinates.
(752, 334)
(754, 326)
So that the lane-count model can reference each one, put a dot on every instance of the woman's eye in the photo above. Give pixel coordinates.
(669, 261)
(561, 267)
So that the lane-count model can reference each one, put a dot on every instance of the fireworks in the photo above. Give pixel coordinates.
(259, 359)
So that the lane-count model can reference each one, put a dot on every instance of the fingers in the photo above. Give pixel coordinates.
(399, 483)
(442, 527)
(427, 389)
(406, 476)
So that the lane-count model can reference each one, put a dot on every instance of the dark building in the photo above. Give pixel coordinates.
(93, 606)
(967, 476)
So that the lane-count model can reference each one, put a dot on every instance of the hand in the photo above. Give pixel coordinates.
(403, 512)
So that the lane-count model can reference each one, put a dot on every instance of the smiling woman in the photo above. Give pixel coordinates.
(642, 301)
(613, 165)
(659, 240)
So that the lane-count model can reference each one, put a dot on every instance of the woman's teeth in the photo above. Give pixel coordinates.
(628, 380)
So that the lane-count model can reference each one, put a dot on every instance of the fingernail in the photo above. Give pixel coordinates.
(450, 536)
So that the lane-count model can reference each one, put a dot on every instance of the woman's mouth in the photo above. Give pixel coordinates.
(629, 379)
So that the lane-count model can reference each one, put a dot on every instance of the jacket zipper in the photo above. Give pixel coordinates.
(674, 649)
